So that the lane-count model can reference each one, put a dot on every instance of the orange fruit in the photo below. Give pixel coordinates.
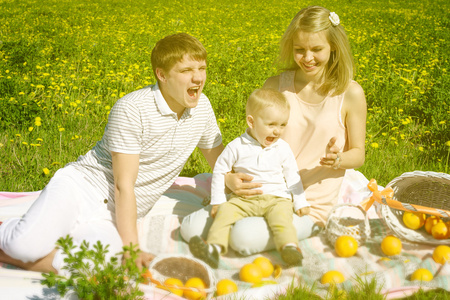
(345, 246)
(391, 245)
(430, 222)
(441, 254)
(226, 286)
(198, 291)
(251, 273)
(422, 275)
(332, 277)
(173, 285)
(265, 264)
(414, 220)
(440, 231)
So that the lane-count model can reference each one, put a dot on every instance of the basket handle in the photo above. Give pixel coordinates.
(386, 197)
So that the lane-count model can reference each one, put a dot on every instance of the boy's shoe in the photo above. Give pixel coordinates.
(292, 255)
(202, 250)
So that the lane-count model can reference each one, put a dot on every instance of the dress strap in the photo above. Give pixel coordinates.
(287, 81)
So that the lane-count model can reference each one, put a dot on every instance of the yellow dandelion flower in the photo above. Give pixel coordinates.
(374, 145)
(448, 143)
(1, 145)
(61, 129)
(39, 140)
(46, 171)
(18, 135)
(24, 143)
(30, 128)
(421, 149)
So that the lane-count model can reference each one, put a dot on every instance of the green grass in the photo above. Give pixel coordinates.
(67, 62)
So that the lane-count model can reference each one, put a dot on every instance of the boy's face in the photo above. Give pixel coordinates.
(182, 85)
(267, 125)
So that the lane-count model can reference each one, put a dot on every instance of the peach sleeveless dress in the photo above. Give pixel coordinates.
(308, 132)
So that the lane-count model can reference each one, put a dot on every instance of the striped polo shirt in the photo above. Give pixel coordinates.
(142, 123)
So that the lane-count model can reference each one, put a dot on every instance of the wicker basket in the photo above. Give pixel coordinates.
(181, 267)
(426, 192)
(350, 220)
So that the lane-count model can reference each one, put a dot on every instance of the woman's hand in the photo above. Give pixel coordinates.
(331, 157)
(239, 183)
(303, 211)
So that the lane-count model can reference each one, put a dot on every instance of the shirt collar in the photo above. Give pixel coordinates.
(164, 107)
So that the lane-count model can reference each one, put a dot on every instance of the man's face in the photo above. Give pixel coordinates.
(182, 85)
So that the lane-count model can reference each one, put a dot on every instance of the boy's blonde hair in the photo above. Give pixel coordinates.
(171, 49)
(339, 71)
(263, 98)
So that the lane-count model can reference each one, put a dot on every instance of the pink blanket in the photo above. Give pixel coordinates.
(159, 234)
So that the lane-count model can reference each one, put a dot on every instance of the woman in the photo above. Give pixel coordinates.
(326, 129)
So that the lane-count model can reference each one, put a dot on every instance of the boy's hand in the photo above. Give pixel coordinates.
(239, 183)
(303, 211)
(214, 210)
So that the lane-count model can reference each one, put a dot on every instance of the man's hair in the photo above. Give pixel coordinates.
(171, 49)
(339, 71)
(263, 98)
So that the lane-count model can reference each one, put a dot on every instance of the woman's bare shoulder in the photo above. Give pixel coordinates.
(355, 97)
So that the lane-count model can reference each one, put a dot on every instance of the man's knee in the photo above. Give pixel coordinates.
(197, 223)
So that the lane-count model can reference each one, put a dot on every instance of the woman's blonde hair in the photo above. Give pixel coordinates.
(339, 71)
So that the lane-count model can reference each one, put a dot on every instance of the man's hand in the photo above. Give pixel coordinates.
(303, 211)
(143, 259)
(239, 183)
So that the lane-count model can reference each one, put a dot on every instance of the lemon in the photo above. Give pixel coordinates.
(226, 286)
(391, 245)
(332, 277)
(265, 264)
(413, 220)
(430, 222)
(173, 285)
(422, 275)
(441, 254)
(440, 231)
(198, 289)
(251, 273)
(345, 246)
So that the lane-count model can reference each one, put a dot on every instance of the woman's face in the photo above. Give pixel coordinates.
(311, 52)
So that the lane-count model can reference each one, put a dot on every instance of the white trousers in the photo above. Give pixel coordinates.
(68, 205)
(247, 236)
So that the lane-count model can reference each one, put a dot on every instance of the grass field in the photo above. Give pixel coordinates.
(63, 64)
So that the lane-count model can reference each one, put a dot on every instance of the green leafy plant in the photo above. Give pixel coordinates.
(93, 277)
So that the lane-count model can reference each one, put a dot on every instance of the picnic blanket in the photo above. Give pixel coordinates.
(160, 234)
